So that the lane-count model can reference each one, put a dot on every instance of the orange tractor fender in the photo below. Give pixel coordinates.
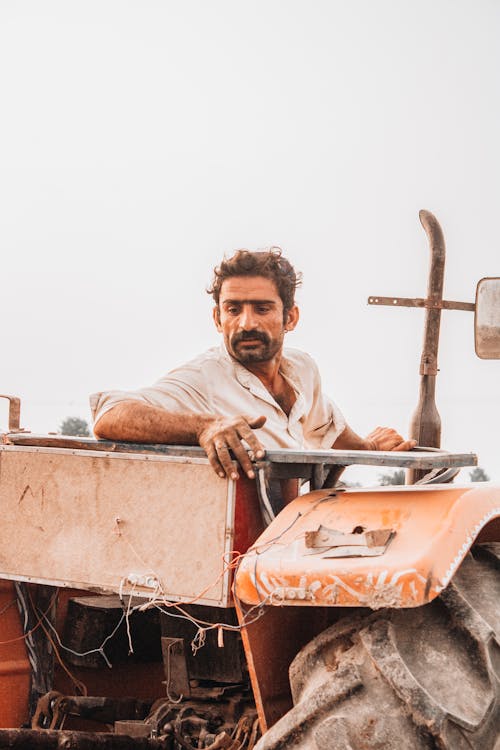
(386, 547)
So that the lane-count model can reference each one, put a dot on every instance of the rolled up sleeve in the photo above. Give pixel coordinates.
(325, 425)
(170, 393)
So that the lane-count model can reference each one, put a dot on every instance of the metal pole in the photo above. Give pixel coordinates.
(425, 425)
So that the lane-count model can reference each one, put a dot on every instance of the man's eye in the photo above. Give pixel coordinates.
(232, 310)
(263, 309)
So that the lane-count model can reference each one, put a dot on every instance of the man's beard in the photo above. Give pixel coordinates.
(261, 352)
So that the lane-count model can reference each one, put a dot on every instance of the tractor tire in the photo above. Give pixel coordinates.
(410, 679)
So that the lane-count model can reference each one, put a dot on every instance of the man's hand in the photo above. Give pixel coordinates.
(137, 422)
(387, 439)
(221, 434)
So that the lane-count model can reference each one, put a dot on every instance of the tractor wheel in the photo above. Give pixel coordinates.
(409, 679)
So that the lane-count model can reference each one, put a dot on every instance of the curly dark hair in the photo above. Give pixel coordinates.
(268, 263)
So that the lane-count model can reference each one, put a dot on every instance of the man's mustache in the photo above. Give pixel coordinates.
(250, 336)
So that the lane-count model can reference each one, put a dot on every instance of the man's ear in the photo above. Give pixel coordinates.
(292, 318)
(216, 316)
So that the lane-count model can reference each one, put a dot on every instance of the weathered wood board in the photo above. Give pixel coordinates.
(116, 522)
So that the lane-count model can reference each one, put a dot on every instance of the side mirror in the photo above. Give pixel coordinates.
(487, 319)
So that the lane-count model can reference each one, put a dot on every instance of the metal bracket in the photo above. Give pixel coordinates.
(359, 543)
(14, 412)
(176, 669)
(431, 304)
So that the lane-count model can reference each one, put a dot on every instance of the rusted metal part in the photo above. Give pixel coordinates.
(360, 543)
(293, 461)
(54, 707)
(21, 739)
(271, 643)
(108, 709)
(106, 446)
(331, 478)
(432, 304)
(133, 728)
(14, 412)
(428, 365)
(176, 668)
(254, 735)
(425, 425)
(51, 711)
(247, 731)
(161, 712)
(224, 665)
(223, 740)
(222, 717)
(211, 718)
(324, 537)
(285, 463)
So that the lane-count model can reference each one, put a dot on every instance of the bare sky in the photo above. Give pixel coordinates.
(140, 141)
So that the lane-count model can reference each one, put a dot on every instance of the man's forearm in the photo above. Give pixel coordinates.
(381, 439)
(222, 438)
(135, 421)
(349, 440)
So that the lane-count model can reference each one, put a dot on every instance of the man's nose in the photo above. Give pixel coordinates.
(247, 318)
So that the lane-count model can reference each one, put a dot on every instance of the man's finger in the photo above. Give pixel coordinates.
(406, 445)
(240, 454)
(214, 460)
(256, 422)
(246, 433)
(225, 459)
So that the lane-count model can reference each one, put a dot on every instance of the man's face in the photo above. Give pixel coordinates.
(250, 317)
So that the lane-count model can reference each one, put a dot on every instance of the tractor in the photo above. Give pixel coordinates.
(147, 603)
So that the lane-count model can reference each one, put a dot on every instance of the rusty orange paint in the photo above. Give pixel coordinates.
(434, 528)
(14, 664)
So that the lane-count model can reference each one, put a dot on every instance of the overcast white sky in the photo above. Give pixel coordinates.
(140, 141)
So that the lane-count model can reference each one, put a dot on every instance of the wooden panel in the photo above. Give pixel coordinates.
(110, 521)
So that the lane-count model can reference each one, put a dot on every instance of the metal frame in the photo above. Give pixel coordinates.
(284, 463)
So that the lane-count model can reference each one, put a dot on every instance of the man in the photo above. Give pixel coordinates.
(247, 395)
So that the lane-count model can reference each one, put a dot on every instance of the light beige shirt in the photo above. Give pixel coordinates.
(215, 383)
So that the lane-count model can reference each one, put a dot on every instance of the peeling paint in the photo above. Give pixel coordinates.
(438, 530)
(471, 536)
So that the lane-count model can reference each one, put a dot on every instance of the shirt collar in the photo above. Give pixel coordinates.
(252, 383)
